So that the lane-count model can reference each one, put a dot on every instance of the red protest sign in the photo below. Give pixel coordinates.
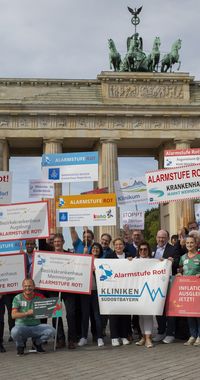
(184, 297)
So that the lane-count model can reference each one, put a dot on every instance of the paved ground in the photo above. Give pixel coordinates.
(173, 361)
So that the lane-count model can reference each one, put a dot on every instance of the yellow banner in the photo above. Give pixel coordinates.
(86, 201)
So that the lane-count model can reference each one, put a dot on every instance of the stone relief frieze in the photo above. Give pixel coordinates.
(165, 91)
(98, 123)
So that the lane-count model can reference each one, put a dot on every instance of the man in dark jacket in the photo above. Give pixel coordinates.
(164, 250)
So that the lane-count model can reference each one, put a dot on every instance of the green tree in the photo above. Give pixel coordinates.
(152, 225)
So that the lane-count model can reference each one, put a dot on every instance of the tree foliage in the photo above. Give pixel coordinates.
(152, 225)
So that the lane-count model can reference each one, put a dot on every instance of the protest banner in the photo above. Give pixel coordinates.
(5, 187)
(183, 299)
(24, 221)
(62, 272)
(12, 273)
(132, 190)
(133, 219)
(70, 167)
(47, 308)
(9, 247)
(173, 184)
(41, 189)
(86, 210)
(181, 157)
(131, 287)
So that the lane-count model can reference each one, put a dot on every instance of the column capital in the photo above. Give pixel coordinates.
(52, 140)
(183, 141)
(104, 140)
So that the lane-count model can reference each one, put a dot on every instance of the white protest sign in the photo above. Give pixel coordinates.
(70, 167)
(131, 287)
(41, 189)
(24, 221)
(5, 187)
(86, 210)
(173, 184)
(62, 272)
(181, 157)
(132, 190)
(134, 219)
(12, 273)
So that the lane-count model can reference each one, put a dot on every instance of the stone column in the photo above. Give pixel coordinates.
(184, 209)
(52, 146)
(4, 155)
(108, 173)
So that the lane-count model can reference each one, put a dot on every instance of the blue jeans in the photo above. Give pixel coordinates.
(194, 326)
(39, 333)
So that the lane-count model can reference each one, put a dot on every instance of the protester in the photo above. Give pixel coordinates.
(174, 239)
(119, 324)
(105, 243)
(87, 241)
(190, 266)
(27, 326)
(69, 301)
(166, 326)
(30, 247)
(46, 244)
(146, 321)
(137, 238)
(90, 303)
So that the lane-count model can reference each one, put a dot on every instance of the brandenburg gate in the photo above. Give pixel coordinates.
(118, 114)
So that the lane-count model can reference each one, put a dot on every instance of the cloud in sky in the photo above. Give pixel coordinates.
(68, 38)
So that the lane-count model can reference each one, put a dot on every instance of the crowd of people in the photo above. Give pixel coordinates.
(82, 310)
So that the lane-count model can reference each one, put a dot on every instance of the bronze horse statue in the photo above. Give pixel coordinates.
(154, 56)
(114, 56)
(172, 57)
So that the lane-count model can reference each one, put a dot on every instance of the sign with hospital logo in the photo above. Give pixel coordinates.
(70, 167)
(173, 184)
(129, 287)
(132, 190)
(181, 157)
(86, 210)
(62, 272)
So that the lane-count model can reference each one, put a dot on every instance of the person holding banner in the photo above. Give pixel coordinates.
(145, 321)
(69, 301)
(90, 303)
(30, 247)
(164, 250)
(190, 266)
(119, 324)
(26, 325)
(87, 241)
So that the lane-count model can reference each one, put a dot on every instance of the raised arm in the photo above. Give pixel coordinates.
(74, 234)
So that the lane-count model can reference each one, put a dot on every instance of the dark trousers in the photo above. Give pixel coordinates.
(85, 314)
(8, 299)
(119, 326)
(94, 306)
(70, 306)
(2, 312)
(166, 325)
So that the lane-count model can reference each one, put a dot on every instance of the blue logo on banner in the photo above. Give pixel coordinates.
(54, 173)
(63, 216)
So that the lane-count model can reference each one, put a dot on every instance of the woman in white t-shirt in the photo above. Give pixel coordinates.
(145, 321)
